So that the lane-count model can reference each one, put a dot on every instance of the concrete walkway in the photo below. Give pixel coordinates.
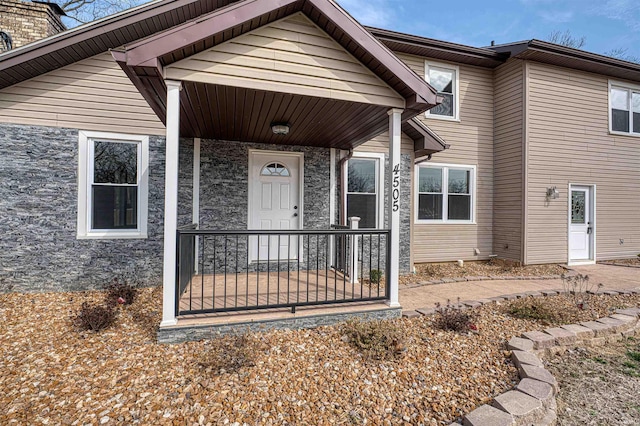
(613, 277)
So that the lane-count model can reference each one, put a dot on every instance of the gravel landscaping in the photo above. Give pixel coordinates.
(496, 268)
(52, 373)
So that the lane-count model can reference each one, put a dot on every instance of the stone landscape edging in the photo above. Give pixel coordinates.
(533, 399)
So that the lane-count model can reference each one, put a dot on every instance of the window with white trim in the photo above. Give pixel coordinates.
(112, 185)
(444, 78)
(445, 193)
(624, 108)
(364, 188)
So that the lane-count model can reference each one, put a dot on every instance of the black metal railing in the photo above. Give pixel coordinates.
(222, 271)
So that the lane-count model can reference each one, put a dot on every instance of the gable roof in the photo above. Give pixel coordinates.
(225, 23)
(147, 63)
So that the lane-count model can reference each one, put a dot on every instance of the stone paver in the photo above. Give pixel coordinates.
(625, 318)
(537, 389)
(519, 405)
(486, 415)
(600, 329)
(580, 331)
(426, 311)
(410, 314)
(562, 336)
(520, 344)
(523, 357)
(538, 373)
(615, 324)
(634, 312)
(540, 340)
(549, 292)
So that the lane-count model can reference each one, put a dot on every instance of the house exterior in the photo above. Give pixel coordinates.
(221, 147)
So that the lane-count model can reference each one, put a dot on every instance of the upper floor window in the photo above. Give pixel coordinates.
(444, 78)
(445, 193)
(112, 185)
(624, 105)
(364, 184)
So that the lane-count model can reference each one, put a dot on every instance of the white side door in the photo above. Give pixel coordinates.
(274, 182)
(581, 226)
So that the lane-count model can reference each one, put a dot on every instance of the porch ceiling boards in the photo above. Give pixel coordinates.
(242, 114)
(239, 114)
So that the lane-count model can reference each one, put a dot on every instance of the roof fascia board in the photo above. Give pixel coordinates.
(87, 31)
(382, 53)
(543, 46)
(443, 46)
(196, 30)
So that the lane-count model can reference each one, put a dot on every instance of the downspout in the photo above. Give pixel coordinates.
(341, 163)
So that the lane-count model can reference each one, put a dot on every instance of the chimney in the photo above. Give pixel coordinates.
(23, 22)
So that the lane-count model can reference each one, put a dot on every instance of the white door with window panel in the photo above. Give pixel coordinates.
(274, 182)
(581, 224)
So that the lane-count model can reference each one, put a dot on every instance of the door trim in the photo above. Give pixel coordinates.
(251, 182)
(592, 211)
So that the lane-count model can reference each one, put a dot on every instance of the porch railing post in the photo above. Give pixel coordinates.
(393, 204)
(172, 144)
(353, 270)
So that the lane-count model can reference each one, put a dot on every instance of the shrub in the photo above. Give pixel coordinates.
(375, 275)
(454, 318)
(121, 291)
(230, 353)
(95, 317)
(580, 288)
(378, 339)
(532, 308)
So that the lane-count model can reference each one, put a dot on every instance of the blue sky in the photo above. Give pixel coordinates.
(606, 24)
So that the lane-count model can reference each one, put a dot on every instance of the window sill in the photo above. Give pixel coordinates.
(444, 222)
(615, 133)
(442, 118)
(112, 236)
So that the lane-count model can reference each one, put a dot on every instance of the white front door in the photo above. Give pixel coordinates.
(274, 191)
(581, 224)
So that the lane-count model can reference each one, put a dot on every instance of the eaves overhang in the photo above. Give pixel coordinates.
(425, 141)
(438, 49)
(555, 54)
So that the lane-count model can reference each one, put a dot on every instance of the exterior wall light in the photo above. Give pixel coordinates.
(280, 128)
(552, 193)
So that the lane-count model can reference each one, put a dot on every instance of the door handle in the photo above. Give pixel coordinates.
(295, 215)
(589, 230)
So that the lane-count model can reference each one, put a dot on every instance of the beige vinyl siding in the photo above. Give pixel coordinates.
(471, 140)
(292, 55)
(508, 151)
(380, 144)
(569, 142)
(93, 94)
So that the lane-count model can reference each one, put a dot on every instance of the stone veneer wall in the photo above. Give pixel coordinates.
(27, 22)
(39, 250)
(405, 206)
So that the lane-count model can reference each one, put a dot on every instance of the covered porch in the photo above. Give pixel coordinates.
(295, 75)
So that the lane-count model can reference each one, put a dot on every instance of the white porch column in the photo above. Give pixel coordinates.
(195, 195)
(172, 145)
(395, 122)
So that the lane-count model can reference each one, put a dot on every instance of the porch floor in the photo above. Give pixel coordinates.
(262, 289)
